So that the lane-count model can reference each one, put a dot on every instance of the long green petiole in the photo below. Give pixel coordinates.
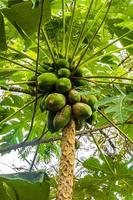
(98, 147)
(82, 31)
(120, 131)
(97, 30)
(63, 32)
(70, 31)
(13, 114)
(48, 44)
(4, 58)
(20, 83)
(22, 53)
(90, 58)
(108, 77)
(97, 17)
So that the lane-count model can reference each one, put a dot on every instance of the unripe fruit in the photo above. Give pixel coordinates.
(62, 63)
(46, 81)
(90, 100)
(63, 85)
(74, 96)
(81, 111)
(55, 101)
(64, 72)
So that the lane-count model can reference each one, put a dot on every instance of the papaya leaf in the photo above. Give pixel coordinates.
(118, 106)
(25, 186)
(3, 45)
(22, 15)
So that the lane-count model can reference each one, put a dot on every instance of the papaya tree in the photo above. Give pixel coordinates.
(66, 71)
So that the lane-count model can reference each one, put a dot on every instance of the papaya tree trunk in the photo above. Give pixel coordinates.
(66, 168)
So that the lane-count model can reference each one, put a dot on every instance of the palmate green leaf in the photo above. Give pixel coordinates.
(25, 186)
(13, 101)
(93, 164)
(3, 45)
(116, 28)
(128, 129)
(118, 106)
(99, 179)
(22, 15)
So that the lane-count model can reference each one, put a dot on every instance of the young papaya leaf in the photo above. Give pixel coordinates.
(3, 45)
(23, 15)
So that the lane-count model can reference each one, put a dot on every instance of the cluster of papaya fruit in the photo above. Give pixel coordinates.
(62, 101)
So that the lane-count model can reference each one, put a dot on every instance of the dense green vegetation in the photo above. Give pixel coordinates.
(61, 60)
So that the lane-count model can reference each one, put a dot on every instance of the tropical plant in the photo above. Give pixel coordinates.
(66, 71)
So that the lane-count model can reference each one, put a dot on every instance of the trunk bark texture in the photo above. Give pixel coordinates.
(66, 168)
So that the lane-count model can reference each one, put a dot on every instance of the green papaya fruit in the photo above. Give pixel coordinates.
(55, 101)
(62, 117)
(81, 111)
(64, 72)
(82, 72)
(92, 119)
(74, 96)
(46, 81)
(50, 117)
(63, 85)
(62, 63)
(90, 100)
